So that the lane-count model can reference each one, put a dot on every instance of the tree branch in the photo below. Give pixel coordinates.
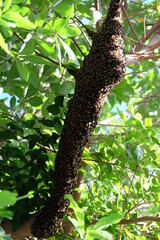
(130, 24)
(40, 54)
(83, 33)
(98, 8)
(74, 41)
(89, 32)
(150, 31)
(101, 70)
(141, 219)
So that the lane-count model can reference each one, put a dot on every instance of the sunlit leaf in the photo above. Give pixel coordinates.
(59, 24)
(46, 48)
(6, 30)
(65, 9)
(7, 4)
(112, 218)
(139, 152)
(121, 115)
(22, 69)
(76, 225)
(148, 122)
(92, 233)
(69, 31)
(7, 198)
(3, 44)
(17, 1)
(4, 213)
(69, 52)
(29, 47)
(20, 21)
(78, 212)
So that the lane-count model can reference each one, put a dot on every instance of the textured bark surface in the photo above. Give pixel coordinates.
(102, 69)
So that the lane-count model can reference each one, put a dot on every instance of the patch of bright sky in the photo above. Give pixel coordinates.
(5, 96)
(147, 1)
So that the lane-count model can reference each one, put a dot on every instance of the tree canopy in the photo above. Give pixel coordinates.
(42, 43)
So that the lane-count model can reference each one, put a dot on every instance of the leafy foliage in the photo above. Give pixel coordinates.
(37, 44)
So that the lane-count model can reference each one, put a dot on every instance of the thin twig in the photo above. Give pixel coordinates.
(141, 219)
(150, 31)
(125, 4)
(89, 32)
(83, 33)
(130, 24)
(78, 47)
(98, 8)
(40, 54)
(7, 129)
(115, 125)
(44, 147)
(118, 165)
(49, 59)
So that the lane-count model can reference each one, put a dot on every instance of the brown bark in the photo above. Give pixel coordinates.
(101, 70)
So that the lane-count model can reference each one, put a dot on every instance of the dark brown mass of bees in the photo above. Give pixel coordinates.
(102, 69)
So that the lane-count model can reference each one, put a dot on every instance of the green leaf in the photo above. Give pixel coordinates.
(148, 122)
(5, 29)
(69, 31)
(7, 198)
(59, 101)
(22, 69)
(20, 21)
(7, 135)
(54, 109)
(75, 2)
(65, 88)
(46, 48)
(4, 213)
(47, 122)
(121, 115)
(92, 233)
(3, 44)
(29, 47)
(139, 152)
(109, 168)
(138, 116)
(18, 1)
(37, 59)
(31, 91)
(35, 101)
(84, 10)
(7, 4)
(4, 236)
(18, 91)
(13, 102)
(69, 51)
(78, 212)
(112, 218)
(40, 19)
(64, 9)
(76, 225)
(59, 24)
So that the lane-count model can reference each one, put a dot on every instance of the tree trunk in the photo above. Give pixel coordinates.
(101, 70)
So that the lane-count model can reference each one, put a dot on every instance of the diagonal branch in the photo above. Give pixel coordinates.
(141, 219)
(150, 31)
(98, 8)
(40, 54)
(130, 24)
(101, 70)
